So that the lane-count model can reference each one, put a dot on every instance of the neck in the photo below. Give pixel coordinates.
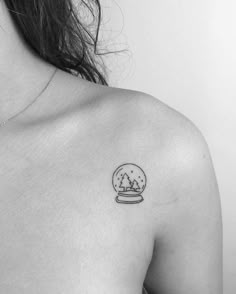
(22, 73)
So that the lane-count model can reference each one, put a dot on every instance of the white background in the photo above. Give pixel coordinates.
(184, 53)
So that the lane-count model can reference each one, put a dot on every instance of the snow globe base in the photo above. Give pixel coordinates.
(128, 199)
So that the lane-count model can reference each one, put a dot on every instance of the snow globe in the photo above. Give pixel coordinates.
(129, 181)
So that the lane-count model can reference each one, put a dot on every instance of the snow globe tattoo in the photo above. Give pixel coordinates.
(129, 181)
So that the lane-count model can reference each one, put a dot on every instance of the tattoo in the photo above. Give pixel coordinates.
(129, 181)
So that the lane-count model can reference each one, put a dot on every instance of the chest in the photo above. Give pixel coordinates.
(60, 224)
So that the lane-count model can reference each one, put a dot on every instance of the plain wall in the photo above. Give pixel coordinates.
(184, 53)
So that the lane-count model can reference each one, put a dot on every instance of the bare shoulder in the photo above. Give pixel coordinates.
(181, 201)
(180, 212)
(162, 135)
(168, 145)
(148, 121)
(131, 126)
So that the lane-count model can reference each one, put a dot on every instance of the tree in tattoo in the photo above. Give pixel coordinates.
(135, 186)
(125, 183)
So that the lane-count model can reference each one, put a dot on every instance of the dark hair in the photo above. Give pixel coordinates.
(57, 31)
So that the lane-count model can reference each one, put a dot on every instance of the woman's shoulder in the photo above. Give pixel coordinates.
(150, 128)
(145, 119)
(173, 152)
(168, 146)
(138, 110)
(141, 125)
(122, 126)
(139, 113)
(123, 113)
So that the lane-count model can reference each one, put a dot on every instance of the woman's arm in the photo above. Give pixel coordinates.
(188, 245)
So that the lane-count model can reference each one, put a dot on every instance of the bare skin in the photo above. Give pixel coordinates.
(61, 229)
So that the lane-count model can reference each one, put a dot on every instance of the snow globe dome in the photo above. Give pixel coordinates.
(129, 181)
